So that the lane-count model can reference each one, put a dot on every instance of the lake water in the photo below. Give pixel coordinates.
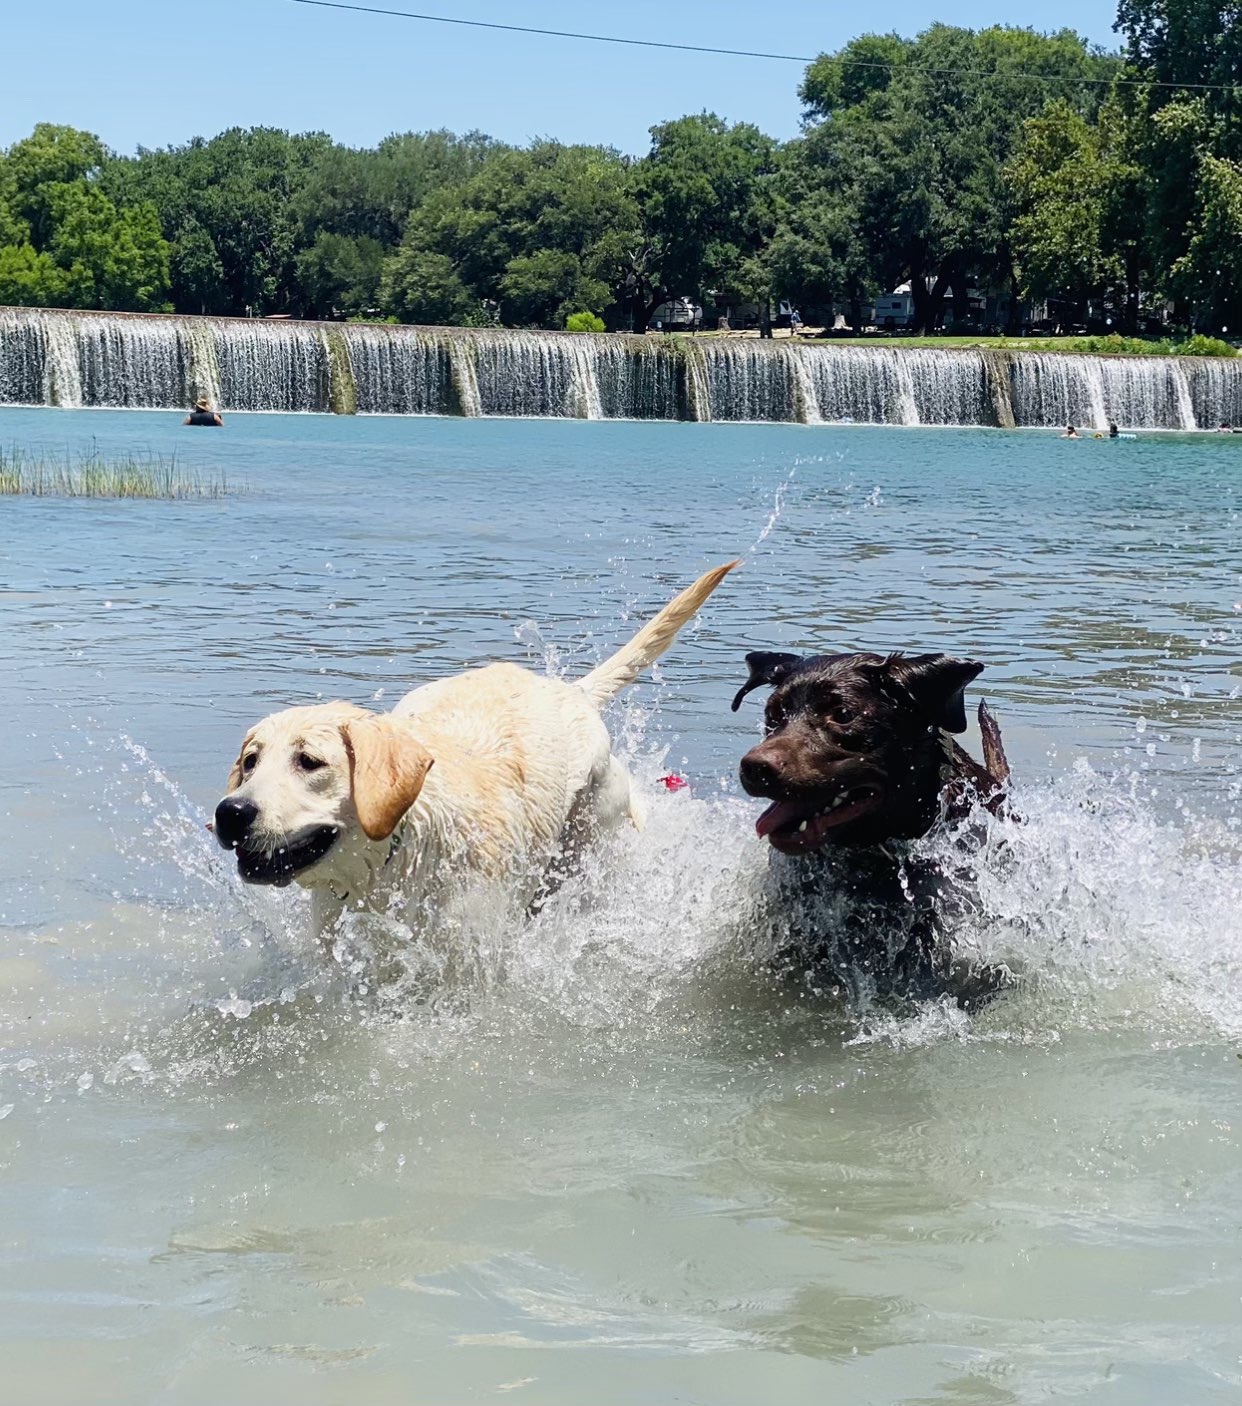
(607, 1160)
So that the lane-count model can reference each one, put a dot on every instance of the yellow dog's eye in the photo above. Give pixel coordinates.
(308, 763)
(248, 762)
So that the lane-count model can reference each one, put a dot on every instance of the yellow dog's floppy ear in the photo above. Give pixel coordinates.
(235, 776)
(387, 768)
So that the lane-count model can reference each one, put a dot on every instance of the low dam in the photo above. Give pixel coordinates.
(71, 359)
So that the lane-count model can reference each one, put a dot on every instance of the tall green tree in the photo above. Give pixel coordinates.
(915, 137)
(39, 165)
(705, 190)
(535, 233)
(1078, 226)
(235, 192)
(816, 255)
(353, 206)
(1209, 274)
(63, 241)
(1190, 117)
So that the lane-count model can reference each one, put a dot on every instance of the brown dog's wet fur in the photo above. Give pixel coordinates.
(858, 754)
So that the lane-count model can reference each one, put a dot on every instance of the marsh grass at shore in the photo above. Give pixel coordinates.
(93, 474)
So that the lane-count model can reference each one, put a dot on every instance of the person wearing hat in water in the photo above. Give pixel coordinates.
(203, 414)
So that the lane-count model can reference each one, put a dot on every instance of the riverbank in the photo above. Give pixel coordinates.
(1111, 345)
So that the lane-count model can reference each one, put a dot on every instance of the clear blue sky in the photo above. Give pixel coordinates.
(156, 72)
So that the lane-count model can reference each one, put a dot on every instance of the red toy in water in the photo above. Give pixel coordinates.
(673, 782)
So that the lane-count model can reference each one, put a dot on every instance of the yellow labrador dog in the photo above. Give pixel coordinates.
(497, 774)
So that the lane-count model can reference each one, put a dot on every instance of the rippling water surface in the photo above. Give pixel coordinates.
(603, 1157)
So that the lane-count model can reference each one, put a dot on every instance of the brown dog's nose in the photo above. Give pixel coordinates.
(759, 775)
(234, 817)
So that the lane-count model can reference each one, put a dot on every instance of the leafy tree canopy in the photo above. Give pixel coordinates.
(63, 241)
(705, 193)
(999, 159)
(915, 136)
(538, 232)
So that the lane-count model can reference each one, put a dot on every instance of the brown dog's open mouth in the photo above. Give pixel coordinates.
(280, 866)
(800, 825)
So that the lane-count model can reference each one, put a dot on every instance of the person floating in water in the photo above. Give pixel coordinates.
(1070, 433)
(203, 414)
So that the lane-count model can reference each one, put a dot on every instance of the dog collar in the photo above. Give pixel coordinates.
(394, 844)
(398, 837)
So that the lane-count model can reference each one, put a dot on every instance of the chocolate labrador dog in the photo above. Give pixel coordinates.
(858, 758)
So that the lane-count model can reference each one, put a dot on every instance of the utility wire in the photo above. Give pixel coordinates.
(758, 54)
(553, 33)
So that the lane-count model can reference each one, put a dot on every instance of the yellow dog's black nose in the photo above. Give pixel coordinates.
(234, 817)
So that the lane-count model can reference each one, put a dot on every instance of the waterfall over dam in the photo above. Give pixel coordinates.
(71, 359)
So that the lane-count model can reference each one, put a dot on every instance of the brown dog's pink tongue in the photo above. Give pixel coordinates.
(777, 814)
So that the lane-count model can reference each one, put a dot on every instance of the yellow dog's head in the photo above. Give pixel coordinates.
(312, 781)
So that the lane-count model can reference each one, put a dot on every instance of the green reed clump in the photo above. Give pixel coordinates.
(1116, 345)
(93, 474)
(1199, 345)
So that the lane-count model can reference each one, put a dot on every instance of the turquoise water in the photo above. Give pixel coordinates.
(606, 1160)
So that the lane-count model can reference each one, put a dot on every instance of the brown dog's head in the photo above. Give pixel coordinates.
(855, 747)
(311, 786)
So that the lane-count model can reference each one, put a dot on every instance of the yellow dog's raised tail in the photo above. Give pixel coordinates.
(618, 672)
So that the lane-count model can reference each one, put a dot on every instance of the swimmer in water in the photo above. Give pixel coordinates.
(203, 414)
(1113, 431)
(1070, 433)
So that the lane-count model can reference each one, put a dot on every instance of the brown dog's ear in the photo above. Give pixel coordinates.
(235, 776)
(765, 669)
(937, 683)
(387, 768)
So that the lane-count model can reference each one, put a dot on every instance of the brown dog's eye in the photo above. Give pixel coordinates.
(841, 714)
(308, 763)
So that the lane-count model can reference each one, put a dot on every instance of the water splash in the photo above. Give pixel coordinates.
(1113, 916)
(778, 509)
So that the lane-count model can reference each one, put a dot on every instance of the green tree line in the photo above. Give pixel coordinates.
(1030, 164)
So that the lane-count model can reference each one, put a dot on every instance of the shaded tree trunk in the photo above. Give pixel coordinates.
(928, 302)
(961, 299)
(1013, 323)
(1130, 316)
(856, 311)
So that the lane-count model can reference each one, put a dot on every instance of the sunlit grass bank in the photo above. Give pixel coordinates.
(96, 475)
(1111, 345)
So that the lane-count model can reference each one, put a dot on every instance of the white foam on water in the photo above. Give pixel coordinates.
(1112, 914)
(1116, 905)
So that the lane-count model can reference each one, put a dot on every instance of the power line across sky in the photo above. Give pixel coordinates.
(1007, 75)
(153, 74)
